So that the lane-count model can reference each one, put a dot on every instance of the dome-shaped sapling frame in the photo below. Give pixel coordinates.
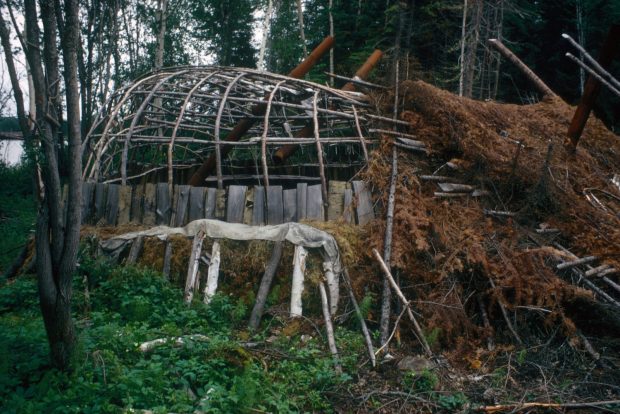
(171, 122)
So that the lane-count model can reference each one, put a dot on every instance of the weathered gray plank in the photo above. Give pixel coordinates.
(248, 206)
(347, 214)
(275, 208)
(182, 200)
(258, 212)
(137, 203)
(314, 203)
(197, 203)
(100, 194)
(149, 217)
(88, 190)
(164, 205)
(220, 204)
(336, 199)
(365, 211)
(290, 205)
(124, 204)
(111, 211)
(302, 189)
(235, 203)
(210, 203)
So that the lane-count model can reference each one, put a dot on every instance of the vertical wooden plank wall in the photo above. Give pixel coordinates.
(152, 204)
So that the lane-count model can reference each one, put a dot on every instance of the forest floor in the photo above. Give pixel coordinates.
(505, 325)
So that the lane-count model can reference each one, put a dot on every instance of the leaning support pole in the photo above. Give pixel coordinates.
(329, 329)
(192, 271)
(592, 88)
(536, 81)
(286, 151)
(360, 317)
(416, 327)
(214, 273)
(257, 110)
(265, 285)
(297, 285)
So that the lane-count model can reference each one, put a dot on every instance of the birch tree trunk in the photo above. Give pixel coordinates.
(263, 44)
(462, 55)
(163, 17)
(331, 33)
(302, 35)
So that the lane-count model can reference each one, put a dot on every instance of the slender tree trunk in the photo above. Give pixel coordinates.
(56, 239)
(331, 33)
(163, 17)
(302, 35)
(5, 37)
(263, 44)
(462, 55)
(581, 38)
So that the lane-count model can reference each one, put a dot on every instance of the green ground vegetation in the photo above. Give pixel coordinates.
(17, 211)
(228, 371)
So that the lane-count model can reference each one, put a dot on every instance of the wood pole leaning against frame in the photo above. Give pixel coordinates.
(592, 88)
(536, 81)
(308, 131)
(245, 124)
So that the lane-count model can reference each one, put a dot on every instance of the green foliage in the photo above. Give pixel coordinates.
(424, 381)
(452, 402)
(128, 306)
(17, 210)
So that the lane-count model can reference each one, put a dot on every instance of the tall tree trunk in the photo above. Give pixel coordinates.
(263, 44)
(581, 39)
(56, 240)
(331, 33)
(302, 35)
(5, 37)
(462, 55)
(163, 17)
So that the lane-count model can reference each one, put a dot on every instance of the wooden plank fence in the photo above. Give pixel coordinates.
(151, 204)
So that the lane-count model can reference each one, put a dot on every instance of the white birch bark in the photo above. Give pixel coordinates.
(302, 35)
(263, 44)
(297, 285)
(213, 274)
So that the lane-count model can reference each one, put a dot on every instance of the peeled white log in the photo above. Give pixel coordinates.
(297, 285)
(577, 262)
(329, 328)
(455, 188)
(176, 341)
(596, 270)
(214, 273)
(192, 271)
(333, 286)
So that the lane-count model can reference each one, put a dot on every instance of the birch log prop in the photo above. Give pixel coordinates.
(297, 285)
(213, 273)
(265, 285)
(192, 270)
(360, 317)
(334, 287)
(512, 58)
(416, 327)
(136, 249)
(329, 329)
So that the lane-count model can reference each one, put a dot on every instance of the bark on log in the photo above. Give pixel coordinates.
(329, 329)
(214, 273)
(297, 286)
(417, 329)
(192, 270)
(265, 286)
(536, 81)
